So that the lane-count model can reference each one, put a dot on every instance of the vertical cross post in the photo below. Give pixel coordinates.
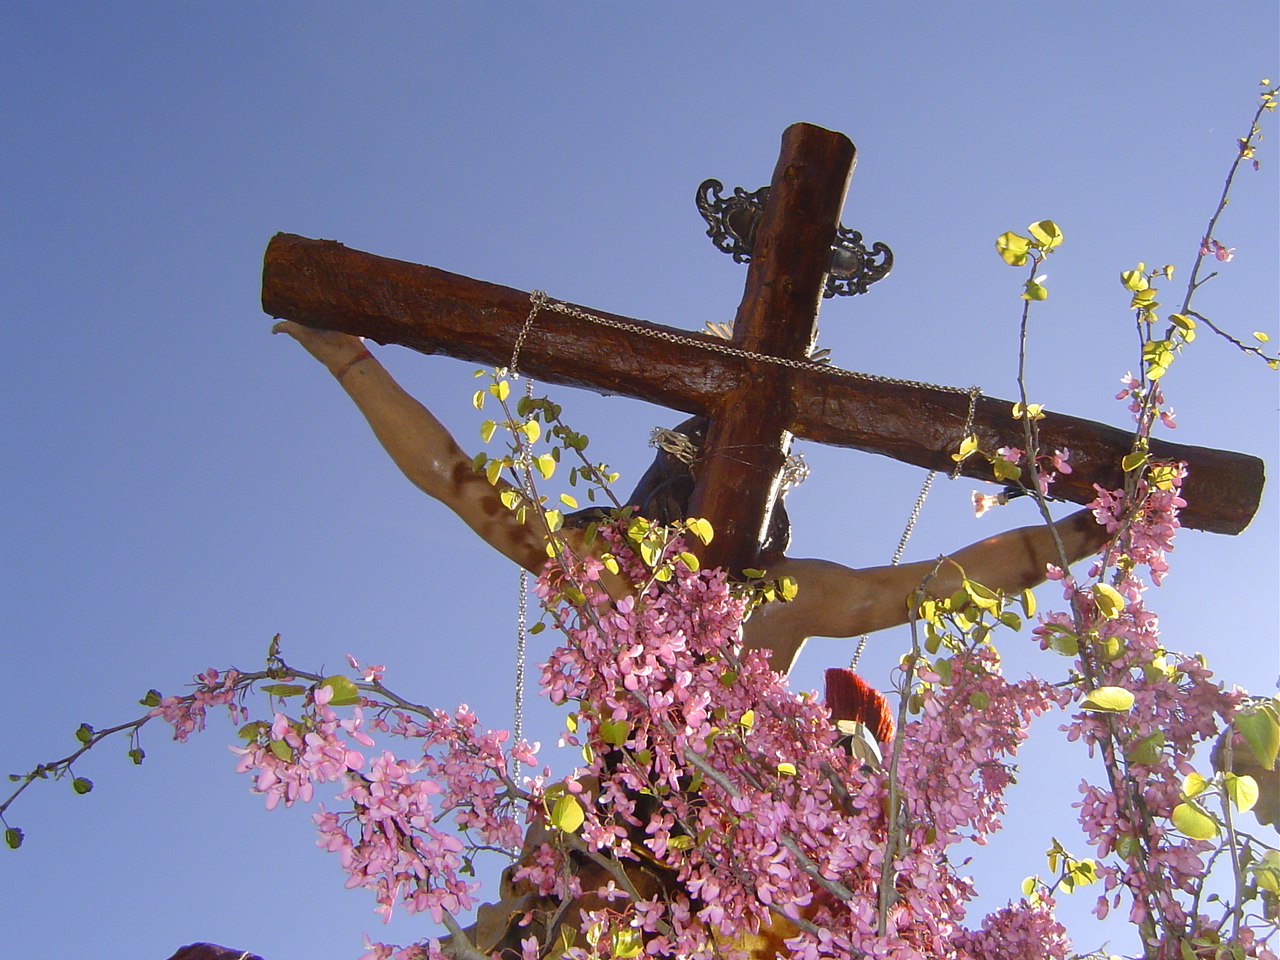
(738, 474)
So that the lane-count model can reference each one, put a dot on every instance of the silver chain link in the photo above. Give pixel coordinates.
(538, 301)
(974, 393)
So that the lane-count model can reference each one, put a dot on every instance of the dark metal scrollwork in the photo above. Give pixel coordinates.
(732, 222)
(852, 268)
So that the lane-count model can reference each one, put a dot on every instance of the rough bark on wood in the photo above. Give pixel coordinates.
(321, 283)
(746, 446)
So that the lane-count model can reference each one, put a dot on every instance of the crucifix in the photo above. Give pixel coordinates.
(759, 390)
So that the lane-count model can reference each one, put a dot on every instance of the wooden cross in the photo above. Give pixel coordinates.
(755, 405)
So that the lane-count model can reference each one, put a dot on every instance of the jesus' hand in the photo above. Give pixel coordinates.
(337, 351)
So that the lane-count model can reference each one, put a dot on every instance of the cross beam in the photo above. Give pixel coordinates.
(323, 284)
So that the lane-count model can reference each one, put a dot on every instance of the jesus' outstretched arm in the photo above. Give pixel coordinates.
(420, 445)
(833, 600)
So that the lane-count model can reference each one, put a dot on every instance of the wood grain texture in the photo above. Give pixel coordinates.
(322, 284)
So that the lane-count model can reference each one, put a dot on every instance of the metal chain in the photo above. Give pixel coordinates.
(538, 300)
(522, 607)
(974, 393)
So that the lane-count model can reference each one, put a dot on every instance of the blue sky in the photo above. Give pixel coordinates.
(179, 486)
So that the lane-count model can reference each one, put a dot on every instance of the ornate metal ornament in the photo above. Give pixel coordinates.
(853, 268)
(732, 222)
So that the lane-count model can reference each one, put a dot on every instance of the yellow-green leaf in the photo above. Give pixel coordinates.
(967, 446)
(1192, 821)
(1005, 470)
(486, 430)
(493, 470)
(567, 814)
(1261, 731)
(701, 529)
(615, 732)
(501, 389)
(981, 596)
(1046, 234)
(1242, 790)
(477, 399)
(688, 559)
(1108, 700)
(568, 501)
(1146, 750)
(1028, 603)
(787, 769)
(1013, 248)
(1267, 870)
(554, 518)
(1133, 460)
(1028, 885)
(1135, 280)
(626, 943)
(546, 465)
(1110, 603)
(1260, 336)
(788, 588)
(1065, 643)
(1034, 291)
(1194, 784)
(344, 691)
(531, 430)
(748, 719)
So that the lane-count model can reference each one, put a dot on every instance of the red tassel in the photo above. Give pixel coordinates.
(849, 697)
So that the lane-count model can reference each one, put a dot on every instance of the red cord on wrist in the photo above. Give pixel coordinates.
(346, 367)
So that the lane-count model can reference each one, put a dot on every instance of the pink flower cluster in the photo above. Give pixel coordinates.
(778, 820)
(295, 755)
(389, 841)
(1213, 248)
(1027, 931)
(1148, 748)
(187, 714)
(1134, 391)
(1047, 466)
(1143, 526)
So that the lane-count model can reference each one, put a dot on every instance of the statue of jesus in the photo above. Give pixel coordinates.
(832, 601)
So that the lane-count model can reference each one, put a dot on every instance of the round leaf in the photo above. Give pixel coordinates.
(1013, 248)
(1046, 234)
(567, 814)
(1110, 603)
(345, 693)
(1194, 784)
(1243, 791)
(1262, 732)
(615, 732)
(1108, 700)
(1193, 822)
